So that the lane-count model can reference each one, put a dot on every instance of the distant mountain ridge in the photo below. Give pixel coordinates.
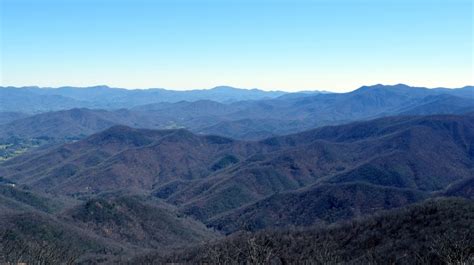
(248, 119)
(36, 99)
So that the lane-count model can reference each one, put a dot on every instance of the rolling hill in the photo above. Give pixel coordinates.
(211, 177)
(130, 157)
(424, 154)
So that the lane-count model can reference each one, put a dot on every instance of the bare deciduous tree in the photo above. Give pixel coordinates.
(454, 249)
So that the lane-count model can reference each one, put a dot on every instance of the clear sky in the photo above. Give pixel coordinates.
(291, 45)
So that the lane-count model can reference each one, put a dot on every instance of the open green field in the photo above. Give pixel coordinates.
(16, 147)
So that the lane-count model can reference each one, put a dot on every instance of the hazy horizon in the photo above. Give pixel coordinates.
(245, 88)
(336, 46)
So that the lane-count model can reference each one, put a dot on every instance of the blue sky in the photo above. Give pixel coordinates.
(335, 45)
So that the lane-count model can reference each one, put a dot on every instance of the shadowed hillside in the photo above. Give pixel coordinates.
(315, 205)
(433, 232)
(37, 228)
(132, 220)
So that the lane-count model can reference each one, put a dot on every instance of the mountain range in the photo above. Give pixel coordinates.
(229, 176)
(35, 99)
(248, 120)
(208, 176)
